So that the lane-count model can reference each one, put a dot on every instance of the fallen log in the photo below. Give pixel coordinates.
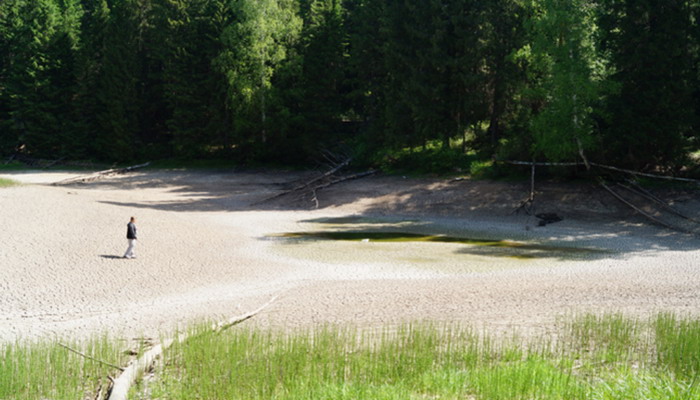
(100, 174)
(640, 191)
(640, 211)
(359, 175)
(308, 184)
(240, 318)
(53, 162)
(346, 178)
(122, 384)
(608, 167)
(627, 171)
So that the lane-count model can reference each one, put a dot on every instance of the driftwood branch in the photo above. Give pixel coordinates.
(315, 189)
(627, 171)
(309, 183)
(346, 178)
(528, 203)
(90, 358)
(608, 167)
(637, 209)
(640, 191)
(53, 162)
(99, 175)
(543, 164)
(122, 384)
(240, 318)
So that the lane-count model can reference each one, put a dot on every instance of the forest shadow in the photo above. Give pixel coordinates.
(590, 215)
(496, 237)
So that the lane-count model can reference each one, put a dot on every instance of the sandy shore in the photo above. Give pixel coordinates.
(206, 251)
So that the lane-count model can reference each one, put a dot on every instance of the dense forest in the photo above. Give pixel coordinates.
(260, 80)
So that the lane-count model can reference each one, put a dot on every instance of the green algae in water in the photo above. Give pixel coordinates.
(353, 220)
(473, 246)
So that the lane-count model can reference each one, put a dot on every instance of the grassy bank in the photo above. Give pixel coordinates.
(7, 183)
(48, 370)
(590, 357)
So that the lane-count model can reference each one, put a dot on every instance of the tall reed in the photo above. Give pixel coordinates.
(594, 357)
(46, 370)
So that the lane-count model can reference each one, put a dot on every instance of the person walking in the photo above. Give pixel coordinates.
(131, 237)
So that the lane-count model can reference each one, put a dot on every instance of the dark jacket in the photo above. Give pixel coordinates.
(131, 231)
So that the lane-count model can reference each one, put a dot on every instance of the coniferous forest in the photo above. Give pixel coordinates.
(279, 80)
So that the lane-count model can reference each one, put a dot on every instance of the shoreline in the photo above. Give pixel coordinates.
(203, 254)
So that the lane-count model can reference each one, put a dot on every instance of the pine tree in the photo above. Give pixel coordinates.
(694, 44)
(562, 57)
(190, 35)
(89, 67)
(10, 22)
(117, 101)
(434, 52)
(650, 111)
(366, 74)
(255, 45)
(322, 49)
(40, 79)
(505, 34)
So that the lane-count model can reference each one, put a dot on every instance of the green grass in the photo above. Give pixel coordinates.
(590, 357)
(46, 370)
(7, 182)
(593, 357)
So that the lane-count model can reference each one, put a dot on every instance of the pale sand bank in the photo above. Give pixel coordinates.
(205, 252)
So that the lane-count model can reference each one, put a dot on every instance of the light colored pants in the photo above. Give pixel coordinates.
(130, 251)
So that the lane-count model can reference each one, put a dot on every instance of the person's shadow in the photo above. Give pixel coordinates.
(110, 257)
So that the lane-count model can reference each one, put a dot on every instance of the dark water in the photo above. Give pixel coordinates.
(474, 246)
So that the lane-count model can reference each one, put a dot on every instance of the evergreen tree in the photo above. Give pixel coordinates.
(255, 45)
(367, 71)
(194, 90)
(563, 55)
(650, 112)
(322, 50)
(435, 62)
(89, 69)
(117, 102)
(505, 34)
(10, 22)
(694, 42)
(40, 76)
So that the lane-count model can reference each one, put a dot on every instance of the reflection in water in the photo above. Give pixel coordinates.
(473, 246)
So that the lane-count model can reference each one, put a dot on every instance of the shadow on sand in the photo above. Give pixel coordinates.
(598, 218)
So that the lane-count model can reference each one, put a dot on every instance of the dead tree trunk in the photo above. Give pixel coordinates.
(100, 174)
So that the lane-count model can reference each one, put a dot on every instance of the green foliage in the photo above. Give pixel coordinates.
(194, 89)
(254, 47)
(650, 115)
(40, 370)
(7, 182)
(278, 80)
(562, 61)
(678, 345)
(591, 357)
(435, 160)
(37, 78)
(594, 357)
